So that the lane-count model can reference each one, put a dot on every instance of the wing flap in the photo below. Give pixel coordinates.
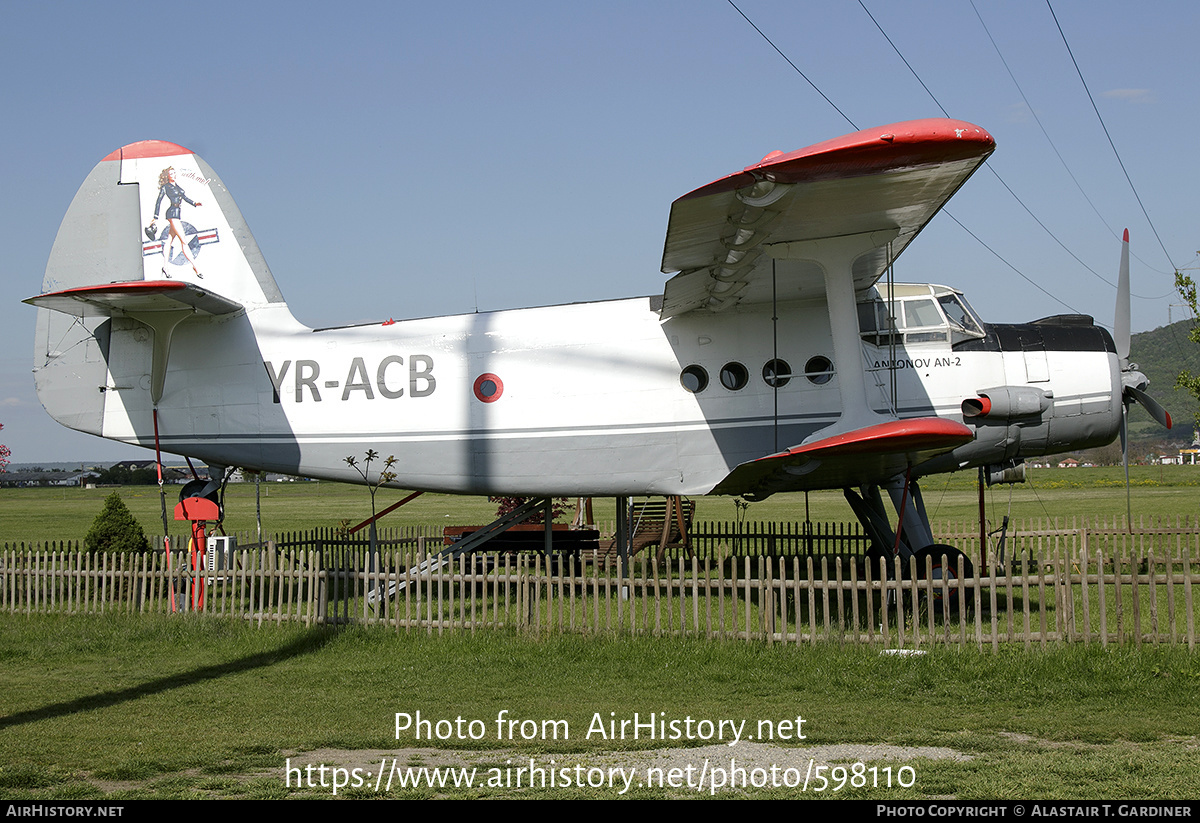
(868, 455)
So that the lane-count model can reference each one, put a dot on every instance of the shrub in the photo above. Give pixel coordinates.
(558, 507)
(115, 529)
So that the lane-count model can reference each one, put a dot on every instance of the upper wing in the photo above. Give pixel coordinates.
(890, 180)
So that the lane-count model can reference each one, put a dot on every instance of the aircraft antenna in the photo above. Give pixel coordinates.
(891, 288)
(162, 497)
(775, 351)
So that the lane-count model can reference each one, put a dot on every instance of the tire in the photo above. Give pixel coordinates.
(957, 567)
(874, 555)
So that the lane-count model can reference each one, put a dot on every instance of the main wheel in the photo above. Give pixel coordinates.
(957, 566)
(874, 555)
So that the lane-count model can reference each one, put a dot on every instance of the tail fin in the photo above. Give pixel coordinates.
(151, 239)
(155, 211)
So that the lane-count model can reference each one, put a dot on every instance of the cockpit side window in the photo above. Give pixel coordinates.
(867, 317)
(919, 314)
(960, 319)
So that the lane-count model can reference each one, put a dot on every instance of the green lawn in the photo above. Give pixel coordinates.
(40, 515)
(162, 707)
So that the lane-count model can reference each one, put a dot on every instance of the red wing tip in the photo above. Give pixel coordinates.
(1126, 235)
(896, 435)
(943, 131)
(148, 148)
(1168, 414)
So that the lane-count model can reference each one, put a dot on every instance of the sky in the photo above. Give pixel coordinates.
(406, 160)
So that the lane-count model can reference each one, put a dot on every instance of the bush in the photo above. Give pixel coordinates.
(115, 529)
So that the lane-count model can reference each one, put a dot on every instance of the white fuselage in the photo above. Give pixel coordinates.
(574, 399)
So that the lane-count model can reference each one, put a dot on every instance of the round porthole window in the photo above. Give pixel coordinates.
(694, 379)
(488, 387)
(818, 370)
(734, 376)
(777, 373)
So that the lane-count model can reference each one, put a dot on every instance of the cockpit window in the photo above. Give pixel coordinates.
(921, 314)
(958, 315)
(873, 323)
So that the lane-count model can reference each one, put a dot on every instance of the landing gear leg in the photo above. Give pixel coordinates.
(945, 563)
(868, 507)
(914, 531)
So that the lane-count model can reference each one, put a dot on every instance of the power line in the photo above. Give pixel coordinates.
(1113, 145)
(779, 51)
(990, 167)
(1054, 147)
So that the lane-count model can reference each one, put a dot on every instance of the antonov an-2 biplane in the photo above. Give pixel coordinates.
(775, 360)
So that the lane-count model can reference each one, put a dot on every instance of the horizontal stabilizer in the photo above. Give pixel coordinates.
(134, 296)
(871, 454)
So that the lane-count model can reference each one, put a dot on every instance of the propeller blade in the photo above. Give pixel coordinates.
(1149, 404)
(1121, 322)
(1125, 463)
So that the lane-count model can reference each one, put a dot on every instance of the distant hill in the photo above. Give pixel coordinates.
(1162, 354)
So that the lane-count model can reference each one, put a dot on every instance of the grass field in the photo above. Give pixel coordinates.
(66, 514)
(183, 708)
(187, 707)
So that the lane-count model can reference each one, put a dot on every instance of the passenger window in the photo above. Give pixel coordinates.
(818, 370)
(777, 373)
(694, 379)
(734, 376)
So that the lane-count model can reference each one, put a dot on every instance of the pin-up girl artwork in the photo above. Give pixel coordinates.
(170, 191)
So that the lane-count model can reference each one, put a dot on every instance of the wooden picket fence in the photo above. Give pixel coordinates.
(1064, 583)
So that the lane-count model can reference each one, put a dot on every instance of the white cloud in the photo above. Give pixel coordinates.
(1131, 95)
(1019, 113)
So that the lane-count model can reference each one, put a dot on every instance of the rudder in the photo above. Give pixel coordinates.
(152, 235)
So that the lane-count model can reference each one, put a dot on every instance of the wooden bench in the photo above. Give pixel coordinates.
(665, 523)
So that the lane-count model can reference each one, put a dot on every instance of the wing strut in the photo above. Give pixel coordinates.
(162, 326)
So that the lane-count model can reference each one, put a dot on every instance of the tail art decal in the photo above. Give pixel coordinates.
(187, 223)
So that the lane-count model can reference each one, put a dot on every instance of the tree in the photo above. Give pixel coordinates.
(4, 455)
(510, 503)
(1186, 380)
(385, 476)
(119, 475)
(115, 529)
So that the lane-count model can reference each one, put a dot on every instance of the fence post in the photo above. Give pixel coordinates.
(322, 588)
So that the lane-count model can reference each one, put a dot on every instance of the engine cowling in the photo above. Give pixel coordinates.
(1007, 403)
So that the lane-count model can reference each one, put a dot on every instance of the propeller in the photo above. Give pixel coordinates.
(1133, 382)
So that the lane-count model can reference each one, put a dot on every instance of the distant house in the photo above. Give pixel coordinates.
(1068, 463)
(1189, 454)
(26, 479)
